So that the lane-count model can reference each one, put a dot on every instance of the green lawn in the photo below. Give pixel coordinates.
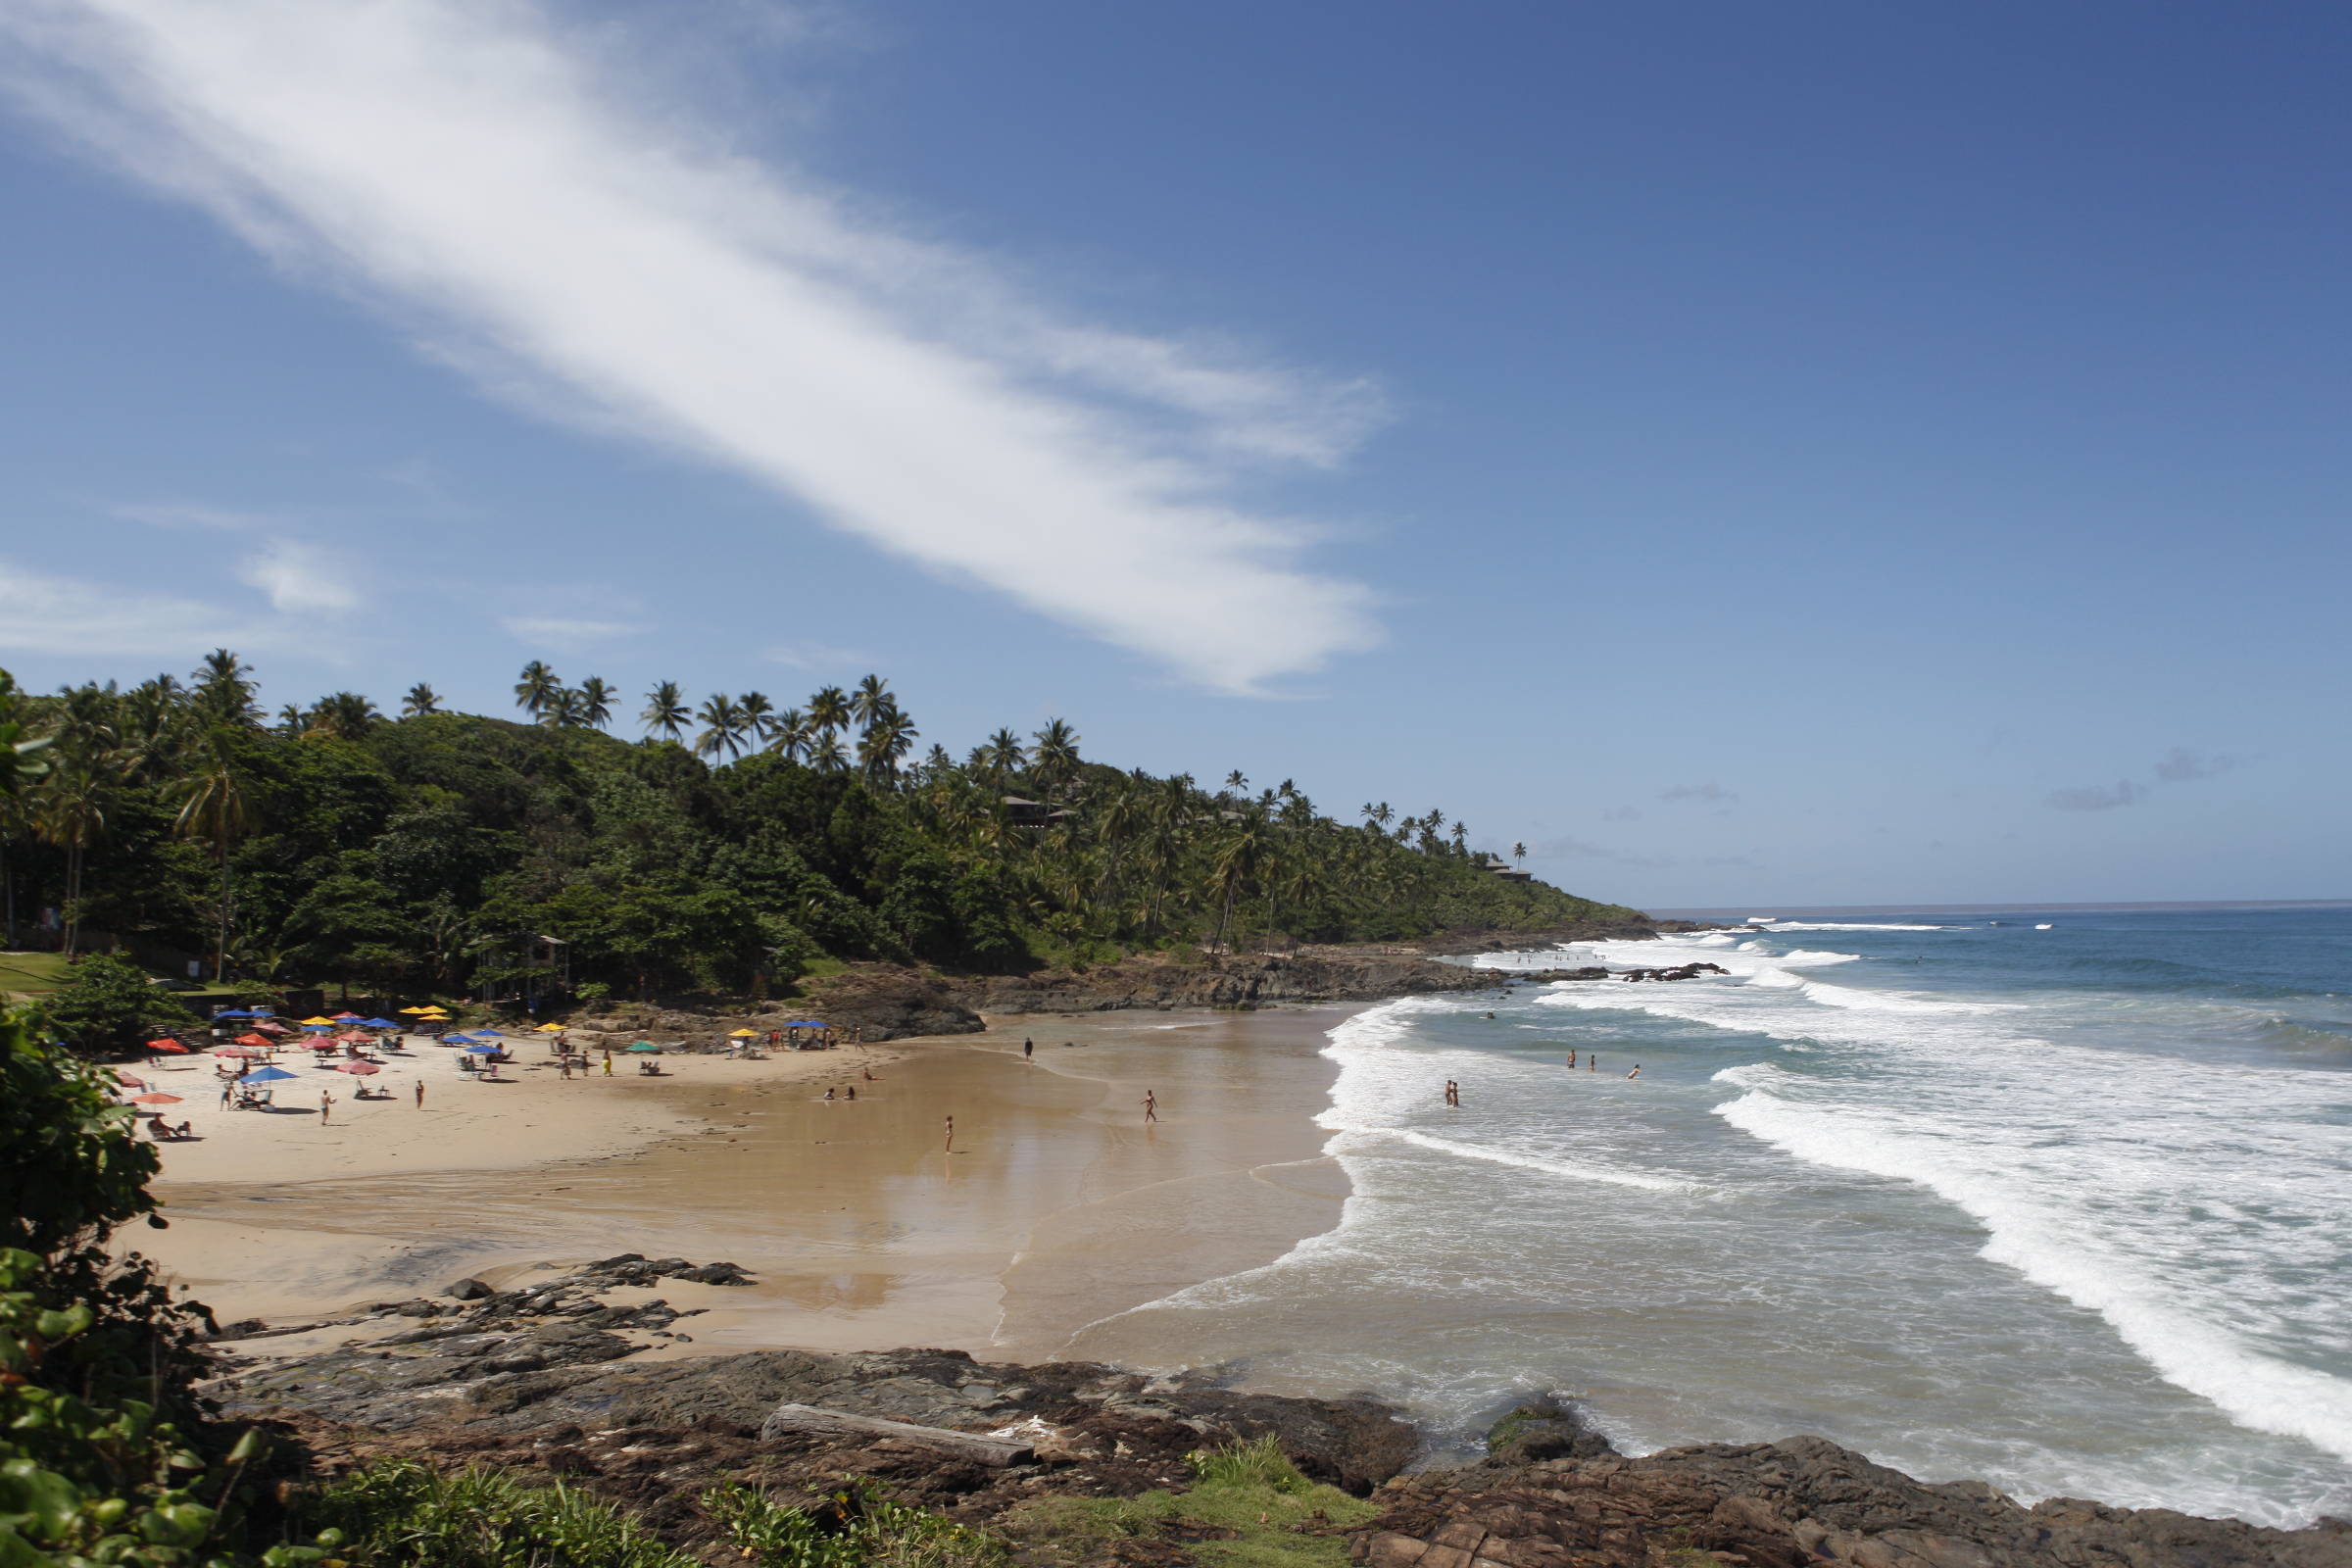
(32, 973)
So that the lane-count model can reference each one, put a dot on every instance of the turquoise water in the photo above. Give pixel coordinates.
(2060, 1201)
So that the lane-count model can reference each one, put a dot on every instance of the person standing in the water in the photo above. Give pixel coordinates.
(1028, 1050)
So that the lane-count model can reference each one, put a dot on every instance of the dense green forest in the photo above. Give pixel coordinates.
(733, 848)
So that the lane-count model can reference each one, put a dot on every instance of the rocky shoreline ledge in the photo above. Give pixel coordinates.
(891, 1002)
(548, 1377)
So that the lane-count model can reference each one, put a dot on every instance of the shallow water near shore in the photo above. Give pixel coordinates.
(2065, 1209)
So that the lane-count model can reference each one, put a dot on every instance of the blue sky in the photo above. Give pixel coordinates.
(1841, 454)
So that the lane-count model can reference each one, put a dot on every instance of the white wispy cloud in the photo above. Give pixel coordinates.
(469, 165)
(41, 612)
(569, 634)
(296, 575)
(818, 657)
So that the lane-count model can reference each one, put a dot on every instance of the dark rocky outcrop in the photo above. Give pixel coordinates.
(1545, 1428)
(1797, 1504)
(1239, 980)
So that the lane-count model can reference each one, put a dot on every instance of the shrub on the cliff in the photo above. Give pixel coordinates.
(104, 1454)
(1251, 1508)
(400, 1513)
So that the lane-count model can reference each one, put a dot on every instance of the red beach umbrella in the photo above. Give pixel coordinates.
(155, 1100)
(274, 1026)
(363, 1068)
(171, 1046)
(258, 1042)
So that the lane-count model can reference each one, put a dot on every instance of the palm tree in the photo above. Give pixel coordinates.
(422, 702)
(345, 715)
(1055, 757)
(788, 735)
(1519, 853)
(71, 811)
(999, 755)
(224, 690)
(1236, 860)
(890, 737)
(722, 728)
(666, 710)
(829, 711)
(827, 753)
(214, 806)
(537, 688)
(563, 709)
(596, 701)
(871, 700)
(292, 718)
(758, 715)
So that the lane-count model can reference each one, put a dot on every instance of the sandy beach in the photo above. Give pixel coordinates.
(1058, 1205)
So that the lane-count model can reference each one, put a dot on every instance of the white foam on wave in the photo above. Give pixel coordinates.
(2197, 1207)
(1574, 1169)
(2043, 1235)
(1838, 925)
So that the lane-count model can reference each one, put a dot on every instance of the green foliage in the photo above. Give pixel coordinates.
(428, 853)
(1257, 1462)
(104, 1459)
(400, 1513)
(397, 1513)
(107, 1003)
(858, 1525)
(1251, 1508)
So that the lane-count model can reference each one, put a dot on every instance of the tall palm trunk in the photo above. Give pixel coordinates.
(221, 944)
(72, 899)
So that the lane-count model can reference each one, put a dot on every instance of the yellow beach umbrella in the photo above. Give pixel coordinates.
(743, 1034)
(313, 1020)
(415, 1009)
(551, 1028)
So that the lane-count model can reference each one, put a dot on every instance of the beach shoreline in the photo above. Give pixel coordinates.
(1058, 1205)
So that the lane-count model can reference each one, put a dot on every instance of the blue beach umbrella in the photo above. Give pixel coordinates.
(377, 1023)
(456, 1040)
(488, 1034)
(232, 1012)
(480, 1051)
(264, 1012)
(263, 1075)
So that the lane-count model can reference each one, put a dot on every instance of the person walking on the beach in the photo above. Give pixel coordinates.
(1150, 1105)
(419, 1094)
(608, 1061)
(327, 1106)
(229, 1091)
(1028, 1050)
(950, 1135)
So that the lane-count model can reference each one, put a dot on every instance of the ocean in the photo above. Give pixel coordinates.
(2057, 1199)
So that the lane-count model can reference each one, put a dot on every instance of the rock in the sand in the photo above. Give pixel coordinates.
(469, 1289)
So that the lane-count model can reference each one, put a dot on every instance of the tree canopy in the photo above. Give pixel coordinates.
(737, 840)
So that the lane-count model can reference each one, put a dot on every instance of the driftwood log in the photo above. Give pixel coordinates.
(790, 1418)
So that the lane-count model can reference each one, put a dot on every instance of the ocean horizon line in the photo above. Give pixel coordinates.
(1782, 911)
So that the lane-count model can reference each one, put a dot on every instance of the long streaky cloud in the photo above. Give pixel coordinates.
(469, 165)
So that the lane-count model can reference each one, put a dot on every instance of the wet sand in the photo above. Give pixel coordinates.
(1058, 1206)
